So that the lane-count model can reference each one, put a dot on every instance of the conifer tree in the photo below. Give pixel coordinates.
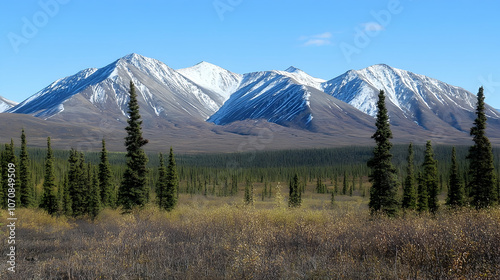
(94, 204)
(294, 199)
(49, 199)
(9, 157)
(481, 170)
(430, 177)
(133, 190)
(383, 174)
(409, 192)
(344, 186)
(66, 199)
(76, 188)
(172, 186)
(234, 185)
(456, 189)
(161, 184)
(25, 186)
(423, 196)
(105, 184)
(249, 193)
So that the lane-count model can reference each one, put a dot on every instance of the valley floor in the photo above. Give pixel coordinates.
(220, 238)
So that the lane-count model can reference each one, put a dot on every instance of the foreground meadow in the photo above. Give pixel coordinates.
(220, 238)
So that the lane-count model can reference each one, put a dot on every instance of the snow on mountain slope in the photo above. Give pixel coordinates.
(6, 104)
(302, 77)
(213, 77)
(417, 98)
(160, 88)
(264, 95)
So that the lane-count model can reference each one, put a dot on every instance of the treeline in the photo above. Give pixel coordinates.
(477, 185)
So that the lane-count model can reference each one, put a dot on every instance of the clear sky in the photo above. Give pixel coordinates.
(457, 41)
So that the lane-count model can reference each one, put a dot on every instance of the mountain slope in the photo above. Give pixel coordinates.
(411, 97)
(6, 104)
(213, 77)
(87, 95)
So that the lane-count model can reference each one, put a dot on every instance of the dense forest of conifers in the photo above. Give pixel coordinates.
(216, 170)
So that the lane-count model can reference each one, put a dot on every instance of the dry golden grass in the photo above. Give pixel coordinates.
(219, 238)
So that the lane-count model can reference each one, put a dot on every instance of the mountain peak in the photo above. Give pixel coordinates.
(293, 69)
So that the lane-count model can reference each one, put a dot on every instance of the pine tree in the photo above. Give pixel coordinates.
(94, 203)
(66, 199)
(294, 199)
(430, 177)
(161, 184)
(105, 184)
(172, 186)
(423, 196)
(383, 174)
(9, 157)
(49, 199)
(249, 193)
(76, 190)
(409, 192)
(25, 186)
(456, 189)
(133, 191)
(234, 185)
(344, 186)
(481, 170)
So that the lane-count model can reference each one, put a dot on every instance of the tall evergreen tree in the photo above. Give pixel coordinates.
(409, 192)
(76, 189)
(25, 185)
(94, 203)
(295, 196)
(481, 170)
(49, 199)
(383, 174)
(423, 196)
(161, 184)
(66, 206)
(105, 184)
(344, 185)
(172, 186)
(430, 177)
(133, 191)
(8, 157)
(456, 189)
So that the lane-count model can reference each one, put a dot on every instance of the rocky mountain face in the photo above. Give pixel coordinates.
(6, 104)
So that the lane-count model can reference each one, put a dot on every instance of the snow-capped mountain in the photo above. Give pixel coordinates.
(281, 97)
(6, 104)
(162, 91)
(417, 98)
(213, 77)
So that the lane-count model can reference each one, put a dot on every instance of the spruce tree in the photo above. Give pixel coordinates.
(482, 180)
(94, 203)
(9, 157)
(105, 184)
(249, 193)
(49, 199)
(409, 192)
(430, 177)
(344, 186)
(25, 186)
(456, 189)
(66, 206)
(423, 196)
(295, 196)
(172, 186)
(161, 184)
(76, 190)
(383, 174)
(133, 190)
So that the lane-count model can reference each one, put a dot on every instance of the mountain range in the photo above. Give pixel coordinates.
(208, 108)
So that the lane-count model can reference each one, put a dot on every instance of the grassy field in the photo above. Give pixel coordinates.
(221, 238)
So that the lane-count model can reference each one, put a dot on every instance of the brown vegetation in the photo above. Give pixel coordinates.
(222, 239)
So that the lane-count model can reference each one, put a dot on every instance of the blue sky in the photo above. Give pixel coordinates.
(457, 42)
